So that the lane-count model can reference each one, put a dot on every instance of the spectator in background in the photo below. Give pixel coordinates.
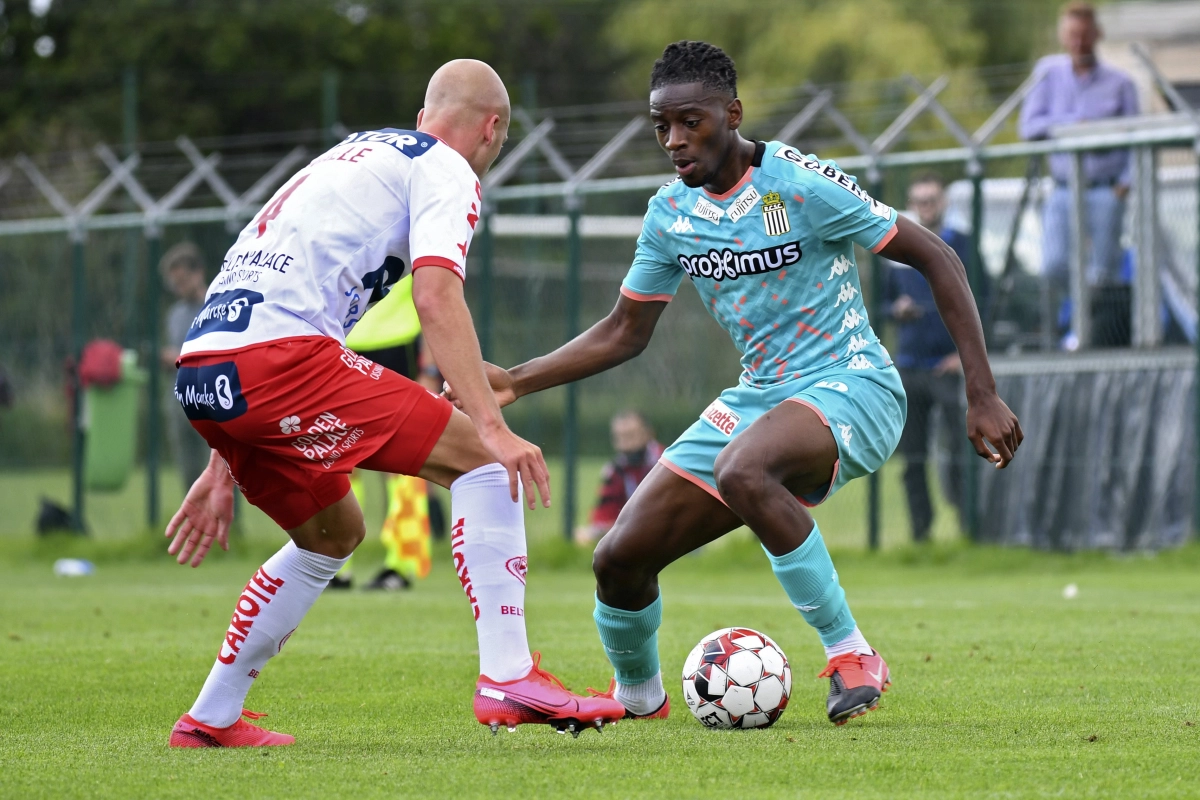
(637, 453)
(1075, 87)
(927, 361)
(182, 271)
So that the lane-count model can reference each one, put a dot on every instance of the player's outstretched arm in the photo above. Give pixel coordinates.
(989, 420)
(448, 330)
(620, 336)
(205, 514)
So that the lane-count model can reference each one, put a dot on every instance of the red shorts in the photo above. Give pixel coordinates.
(293, 417)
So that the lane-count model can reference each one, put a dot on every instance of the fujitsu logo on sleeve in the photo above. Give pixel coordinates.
(457, 539)
(258, 593)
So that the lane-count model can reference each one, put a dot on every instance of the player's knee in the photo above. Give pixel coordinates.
(740, 480)
(611, 568)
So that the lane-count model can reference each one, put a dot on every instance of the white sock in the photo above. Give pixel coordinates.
(854, 643)
(267, 613)
(488, 541)
(642, 698)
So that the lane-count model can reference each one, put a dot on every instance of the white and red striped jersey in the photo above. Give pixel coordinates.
(336, 236)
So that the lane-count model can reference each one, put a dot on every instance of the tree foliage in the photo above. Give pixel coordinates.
(219, 67)
(780, 43)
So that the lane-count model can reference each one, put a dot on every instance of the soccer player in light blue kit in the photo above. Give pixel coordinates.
(766, 236)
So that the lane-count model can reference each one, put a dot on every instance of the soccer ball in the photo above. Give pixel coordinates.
(736, 678)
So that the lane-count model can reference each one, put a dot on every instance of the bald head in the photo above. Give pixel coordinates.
(466, 86)
(466, 106)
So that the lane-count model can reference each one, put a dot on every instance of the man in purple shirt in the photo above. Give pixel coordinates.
(1075, 87)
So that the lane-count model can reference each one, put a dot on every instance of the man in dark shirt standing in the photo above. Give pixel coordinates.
(927, 361)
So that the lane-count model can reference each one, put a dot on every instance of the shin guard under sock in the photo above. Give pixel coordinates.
(811, 582)
(267, 613)
(630, 640)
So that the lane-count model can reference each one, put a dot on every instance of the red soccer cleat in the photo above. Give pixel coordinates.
(855, 685)
(540, 697)
(190, 733)
(661, 713)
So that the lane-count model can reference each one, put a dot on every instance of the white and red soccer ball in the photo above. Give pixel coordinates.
(737, 678)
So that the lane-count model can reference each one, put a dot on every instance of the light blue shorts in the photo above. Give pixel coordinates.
(865, 410)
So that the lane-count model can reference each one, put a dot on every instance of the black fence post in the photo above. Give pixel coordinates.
(571, 418)
(970, 473)
(153, 379)
(875, 312)
(78, 338)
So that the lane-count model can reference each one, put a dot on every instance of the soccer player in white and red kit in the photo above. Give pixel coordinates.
(289, 411)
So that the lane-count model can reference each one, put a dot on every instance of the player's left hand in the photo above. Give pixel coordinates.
(205, 515)
(989, 421)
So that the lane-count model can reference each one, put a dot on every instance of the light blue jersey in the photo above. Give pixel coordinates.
(773, 261)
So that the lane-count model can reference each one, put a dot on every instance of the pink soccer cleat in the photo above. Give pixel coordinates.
(662, 712)
(190, 733)
(540, 697)
(856, 683)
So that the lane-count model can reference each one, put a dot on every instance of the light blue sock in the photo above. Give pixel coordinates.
(630, 640)
(811, 582)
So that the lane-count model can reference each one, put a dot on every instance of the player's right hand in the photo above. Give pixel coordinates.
(524, 462)
(500, 381)
(204, 515)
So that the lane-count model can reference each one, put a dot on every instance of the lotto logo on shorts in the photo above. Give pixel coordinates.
(721, 417)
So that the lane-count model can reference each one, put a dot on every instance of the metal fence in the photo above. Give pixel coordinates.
(550, 254)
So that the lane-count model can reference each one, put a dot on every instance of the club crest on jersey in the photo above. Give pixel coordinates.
(745, 202)
(775, 216)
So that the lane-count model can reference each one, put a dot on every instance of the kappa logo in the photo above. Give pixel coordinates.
(852, 320)
(860, 362)
(721, 417)
(289, 424)
(841, 265)
(744, 204)
(846, 294)
(681, 225)
(775, 216)
(517, 567)
(706, 210)
(847, 433)
(857, 342)
(837, 386)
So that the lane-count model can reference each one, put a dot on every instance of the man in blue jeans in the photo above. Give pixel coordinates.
(1075, 87)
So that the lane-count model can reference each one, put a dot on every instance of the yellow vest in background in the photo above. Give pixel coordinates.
(391, 322)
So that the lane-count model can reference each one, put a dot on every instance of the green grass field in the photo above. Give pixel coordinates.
(1002, 687)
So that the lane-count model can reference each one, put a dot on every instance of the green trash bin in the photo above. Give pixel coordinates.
(110, 421)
